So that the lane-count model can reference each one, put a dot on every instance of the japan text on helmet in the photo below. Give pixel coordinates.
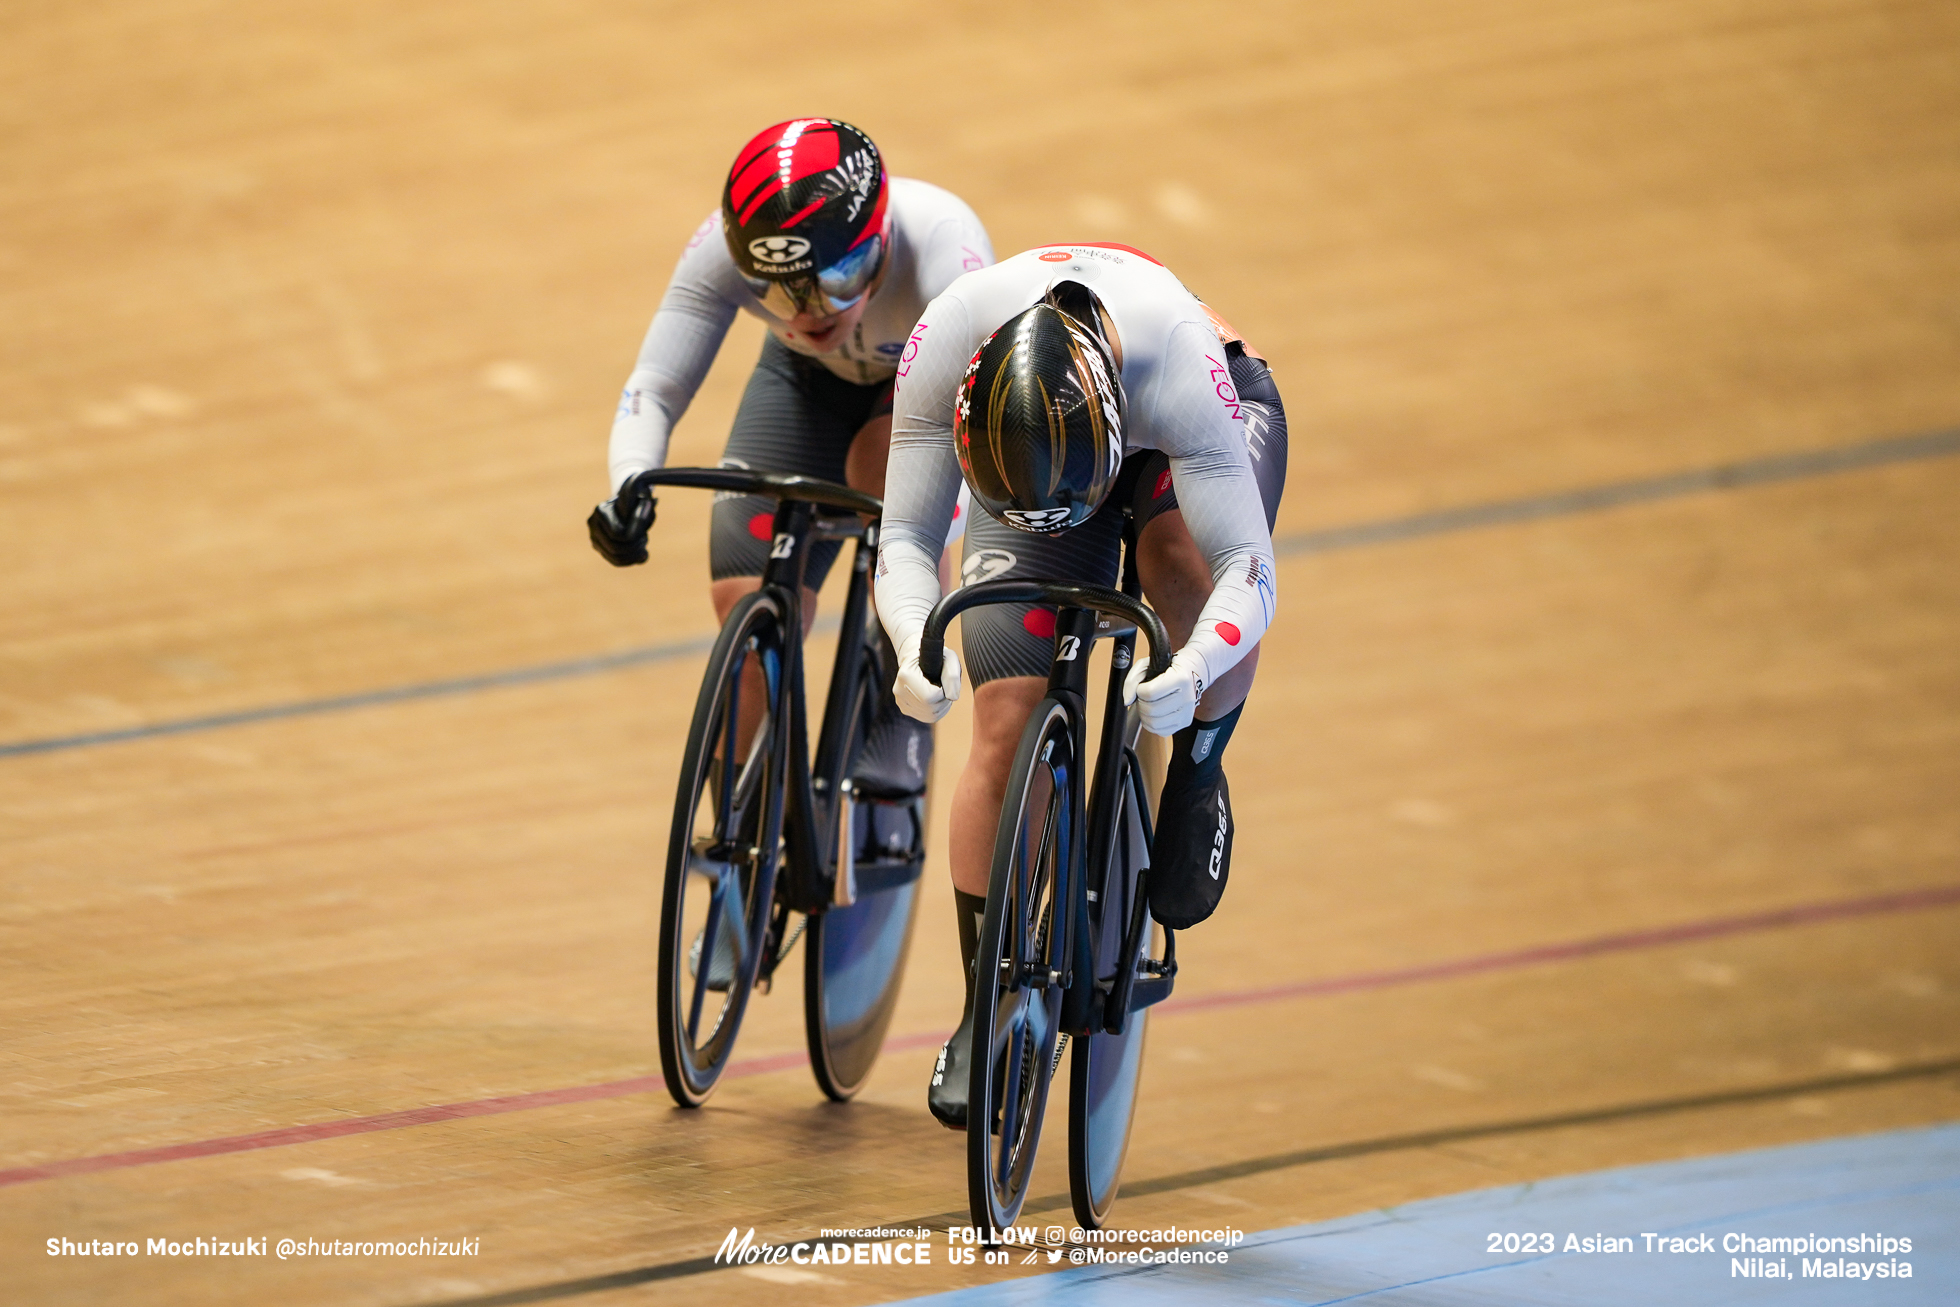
(804, 214)
(1039, 419)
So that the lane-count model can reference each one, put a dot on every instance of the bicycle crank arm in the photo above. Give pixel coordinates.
(844, 886)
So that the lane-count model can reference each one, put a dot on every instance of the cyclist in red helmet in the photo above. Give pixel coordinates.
(838, 260)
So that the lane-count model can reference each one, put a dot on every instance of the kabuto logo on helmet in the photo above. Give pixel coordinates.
(778, 250)
(1041, 521)
(804, 212)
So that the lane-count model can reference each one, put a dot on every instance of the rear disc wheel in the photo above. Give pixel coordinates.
(1106, 1068)
(854, 958)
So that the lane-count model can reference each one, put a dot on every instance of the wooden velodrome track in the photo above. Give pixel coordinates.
(313, 316)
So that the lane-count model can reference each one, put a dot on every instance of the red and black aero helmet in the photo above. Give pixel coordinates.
(804, 214)
(1039, 419)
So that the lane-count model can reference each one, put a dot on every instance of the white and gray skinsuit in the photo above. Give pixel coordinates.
(1208, 412)
(935, 238)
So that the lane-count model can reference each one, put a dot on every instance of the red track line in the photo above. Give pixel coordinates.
(1805, 914)
(360, 1125)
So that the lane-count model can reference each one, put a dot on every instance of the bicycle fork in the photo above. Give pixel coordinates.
(1071, 961)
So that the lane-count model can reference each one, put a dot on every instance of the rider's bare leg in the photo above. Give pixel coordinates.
(864, 462)
(1177, 582)
(1000, 713)
(726, 593)
(864, 469)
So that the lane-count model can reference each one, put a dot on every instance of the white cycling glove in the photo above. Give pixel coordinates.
(919, 698)
(1168, 702)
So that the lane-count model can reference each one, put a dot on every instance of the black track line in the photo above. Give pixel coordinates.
(1587, 499)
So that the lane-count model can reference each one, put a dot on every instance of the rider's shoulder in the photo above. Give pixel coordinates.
(706, 268)
(1098, 259)
(1227, 334)
(915, 200)
(1140, 293)
(1128, 281)
(705, 249)
(707, 236)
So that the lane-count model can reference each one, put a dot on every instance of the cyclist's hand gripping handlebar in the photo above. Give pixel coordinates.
(618, 527)
(1167, 701)
(927, 700)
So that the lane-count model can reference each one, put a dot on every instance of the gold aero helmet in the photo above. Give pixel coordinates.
(1039, 419)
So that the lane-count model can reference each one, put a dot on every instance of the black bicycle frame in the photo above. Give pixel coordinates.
(813, 792)
(808, 885)
(1078, 623)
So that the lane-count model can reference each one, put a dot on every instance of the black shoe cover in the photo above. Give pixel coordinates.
(892, 764)
(1192, 853)
(946, 1095)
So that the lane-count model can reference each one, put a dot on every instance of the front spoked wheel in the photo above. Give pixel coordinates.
(716, 911)
(1017, 991)
(855, 957)
(1107, 1067)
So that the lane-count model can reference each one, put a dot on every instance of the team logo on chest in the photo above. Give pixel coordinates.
(985, 565)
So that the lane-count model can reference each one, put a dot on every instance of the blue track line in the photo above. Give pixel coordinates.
(1726, 476)
(1616, 494)
(1438, 1252)
(559, 671)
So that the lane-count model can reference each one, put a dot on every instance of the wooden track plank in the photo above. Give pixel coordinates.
(314, 320)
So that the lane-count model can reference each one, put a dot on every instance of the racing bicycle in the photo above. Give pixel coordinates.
(1067, 945)
(768, 845)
